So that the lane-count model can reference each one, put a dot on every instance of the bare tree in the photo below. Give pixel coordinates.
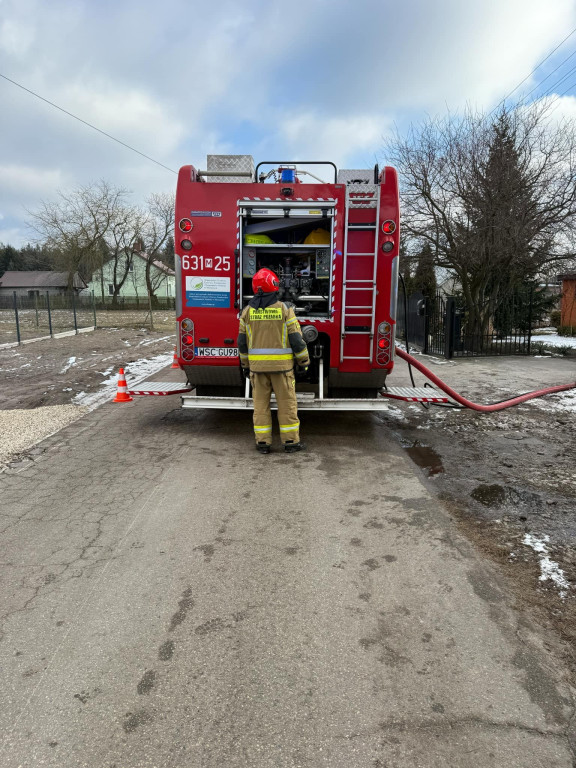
(494, 198)
(157, 231)
(74, 225)
(121, 241)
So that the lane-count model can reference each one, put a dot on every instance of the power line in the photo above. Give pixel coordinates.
(550, 75)
(109, 136)
(559, 96)
(558, 82)
(534, 70)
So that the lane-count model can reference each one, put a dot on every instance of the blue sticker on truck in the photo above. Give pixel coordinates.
(207, 291)
(212, 214)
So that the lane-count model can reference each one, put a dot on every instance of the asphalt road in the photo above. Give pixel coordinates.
(171, 598)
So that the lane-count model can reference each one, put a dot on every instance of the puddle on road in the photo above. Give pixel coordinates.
(425, 457)
(490, 495)
(516, 500)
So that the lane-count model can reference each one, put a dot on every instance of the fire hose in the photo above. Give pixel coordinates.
(475, 406)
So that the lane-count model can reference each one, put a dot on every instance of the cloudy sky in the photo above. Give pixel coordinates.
(179, 79)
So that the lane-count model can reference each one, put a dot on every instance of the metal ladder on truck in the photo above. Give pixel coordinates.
(359, 195)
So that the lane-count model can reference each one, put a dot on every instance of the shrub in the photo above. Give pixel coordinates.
(538, 348)
(567, 330)
(555, 318)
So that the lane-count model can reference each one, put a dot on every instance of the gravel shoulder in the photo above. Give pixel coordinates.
(50, 383)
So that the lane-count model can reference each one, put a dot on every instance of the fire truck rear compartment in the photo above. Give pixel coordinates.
(297, 248)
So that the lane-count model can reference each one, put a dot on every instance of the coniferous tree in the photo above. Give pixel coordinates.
(494, 197)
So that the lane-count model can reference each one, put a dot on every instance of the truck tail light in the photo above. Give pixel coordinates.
(383, 343)
(187, 339)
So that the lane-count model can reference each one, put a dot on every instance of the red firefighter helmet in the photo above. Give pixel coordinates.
(265, 281)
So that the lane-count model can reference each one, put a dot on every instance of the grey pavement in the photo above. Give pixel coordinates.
(171, 598)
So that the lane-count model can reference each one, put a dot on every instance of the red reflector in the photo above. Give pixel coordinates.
(187, 339)
(383, 343)
(188, 354)
(388, 227)
(185, 225)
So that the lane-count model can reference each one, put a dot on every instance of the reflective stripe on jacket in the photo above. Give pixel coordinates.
(270, 338)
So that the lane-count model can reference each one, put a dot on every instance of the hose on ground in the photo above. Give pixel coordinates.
(475, 406)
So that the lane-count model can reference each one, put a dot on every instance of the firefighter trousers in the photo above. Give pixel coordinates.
(284, 386)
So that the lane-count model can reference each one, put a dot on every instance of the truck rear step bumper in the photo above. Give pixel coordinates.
(306, 402)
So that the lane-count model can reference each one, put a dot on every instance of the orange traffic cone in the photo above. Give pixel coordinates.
(175, 363)
(122, 395)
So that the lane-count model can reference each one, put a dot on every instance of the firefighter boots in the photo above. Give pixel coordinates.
(294, 447)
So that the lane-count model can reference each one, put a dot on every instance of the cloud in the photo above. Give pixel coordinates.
(20, 183)
(15, 236)
(312, 135)
(125, 112)
(184, 78)
(562, 107)
(16, 38)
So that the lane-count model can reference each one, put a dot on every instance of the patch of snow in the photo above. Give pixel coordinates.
(69, 364)
(135, 372)
(562, 401)
(427, 358)
(153, 341)
(554, 340)
(394, 413)
(548, 568)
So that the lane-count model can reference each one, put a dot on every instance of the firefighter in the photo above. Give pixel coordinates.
(269, 343)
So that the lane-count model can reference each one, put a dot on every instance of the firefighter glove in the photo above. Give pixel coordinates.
(246, 372)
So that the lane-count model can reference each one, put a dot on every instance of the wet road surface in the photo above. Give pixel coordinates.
(172, 598)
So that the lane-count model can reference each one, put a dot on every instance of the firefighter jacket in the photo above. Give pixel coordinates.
(270, 339)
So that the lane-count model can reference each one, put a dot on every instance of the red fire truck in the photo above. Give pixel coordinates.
(333, 245)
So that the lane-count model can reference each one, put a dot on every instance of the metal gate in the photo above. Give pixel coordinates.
(441, 326)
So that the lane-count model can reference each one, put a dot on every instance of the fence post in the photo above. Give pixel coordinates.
(49, 312)
(16, 316)
(150, 307)
(427, 303)
(449, 332)
(530, 307)
(36, 308)
(94, 310)
(74, 310)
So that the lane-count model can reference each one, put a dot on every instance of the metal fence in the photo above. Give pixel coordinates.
(44, 314)
(441, 325)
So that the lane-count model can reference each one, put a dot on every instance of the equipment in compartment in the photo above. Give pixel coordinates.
(304, 275)
(294, 242)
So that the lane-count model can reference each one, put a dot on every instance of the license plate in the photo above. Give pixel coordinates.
(216, 351)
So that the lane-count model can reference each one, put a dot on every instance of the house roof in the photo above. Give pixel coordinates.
(31, 279)
(158, 264)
